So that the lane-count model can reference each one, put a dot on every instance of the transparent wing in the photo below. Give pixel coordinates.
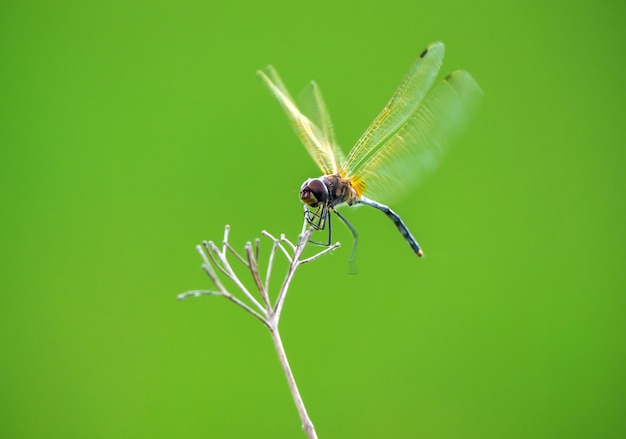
(417, 146)
(313, 105)
(400, 107)
(318, 140)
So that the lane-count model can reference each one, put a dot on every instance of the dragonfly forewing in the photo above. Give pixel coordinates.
(419, 145)
(314, 138)
(400, 107)
(312, 104)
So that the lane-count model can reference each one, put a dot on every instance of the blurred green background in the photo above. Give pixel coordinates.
(130, 132)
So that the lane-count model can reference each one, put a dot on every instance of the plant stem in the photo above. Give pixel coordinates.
(269, 314)
(307, 425)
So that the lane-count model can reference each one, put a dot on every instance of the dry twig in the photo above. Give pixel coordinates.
(266, 311)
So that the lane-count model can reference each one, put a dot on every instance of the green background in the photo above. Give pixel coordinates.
(132, 131)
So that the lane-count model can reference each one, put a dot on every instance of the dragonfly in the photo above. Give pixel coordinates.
(403, 144)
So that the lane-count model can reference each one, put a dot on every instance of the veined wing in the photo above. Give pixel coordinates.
(400, 107)
(313, 106)
(319, 141)
(418, 145)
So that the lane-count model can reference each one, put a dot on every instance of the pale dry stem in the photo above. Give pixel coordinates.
(268, 313)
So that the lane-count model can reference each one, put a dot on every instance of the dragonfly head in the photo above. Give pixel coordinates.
(314, 192)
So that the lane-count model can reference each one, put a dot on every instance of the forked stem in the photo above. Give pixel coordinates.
(270, 314)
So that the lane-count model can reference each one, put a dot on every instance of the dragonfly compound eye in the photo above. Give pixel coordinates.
(313, 192)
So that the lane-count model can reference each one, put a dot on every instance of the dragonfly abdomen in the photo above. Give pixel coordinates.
(404, 231)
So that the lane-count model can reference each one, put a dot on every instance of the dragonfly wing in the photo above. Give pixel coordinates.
(317, 140)
(418, 145)
(400, 107)
(312, 104)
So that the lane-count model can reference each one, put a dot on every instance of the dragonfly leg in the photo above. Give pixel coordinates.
(352, 260)
(397, 221)
(318, 221)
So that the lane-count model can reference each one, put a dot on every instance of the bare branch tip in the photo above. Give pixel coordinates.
(269, 235)
(198, 293)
